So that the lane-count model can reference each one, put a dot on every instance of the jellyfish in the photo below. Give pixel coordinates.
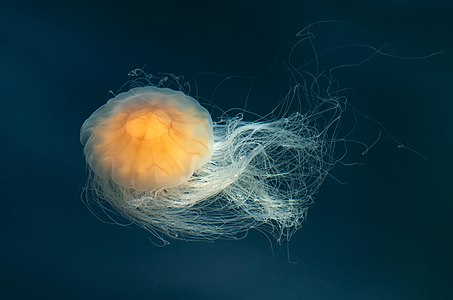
(160, 159)
(156, 156)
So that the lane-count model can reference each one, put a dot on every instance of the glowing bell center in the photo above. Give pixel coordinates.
(148, 125)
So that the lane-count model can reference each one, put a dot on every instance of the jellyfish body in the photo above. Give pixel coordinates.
(148, 139)
(155, 155)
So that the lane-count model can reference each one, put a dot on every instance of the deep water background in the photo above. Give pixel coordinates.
(386, 233)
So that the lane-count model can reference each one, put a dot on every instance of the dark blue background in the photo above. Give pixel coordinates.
(385, 234)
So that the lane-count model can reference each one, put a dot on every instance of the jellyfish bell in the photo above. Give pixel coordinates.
(148, 138)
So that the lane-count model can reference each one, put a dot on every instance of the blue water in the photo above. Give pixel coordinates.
(379, 230)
